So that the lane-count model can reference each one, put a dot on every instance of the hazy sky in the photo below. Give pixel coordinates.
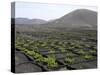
(45, 11)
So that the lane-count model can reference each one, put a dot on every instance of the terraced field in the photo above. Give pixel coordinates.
(53, 51)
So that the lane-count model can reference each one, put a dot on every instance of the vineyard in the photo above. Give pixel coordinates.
(64, 50)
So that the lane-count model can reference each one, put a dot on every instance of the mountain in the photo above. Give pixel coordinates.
(79, 18)
(26, 21)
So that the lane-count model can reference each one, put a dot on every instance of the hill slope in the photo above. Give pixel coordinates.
(26, 21)
(77, 18)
